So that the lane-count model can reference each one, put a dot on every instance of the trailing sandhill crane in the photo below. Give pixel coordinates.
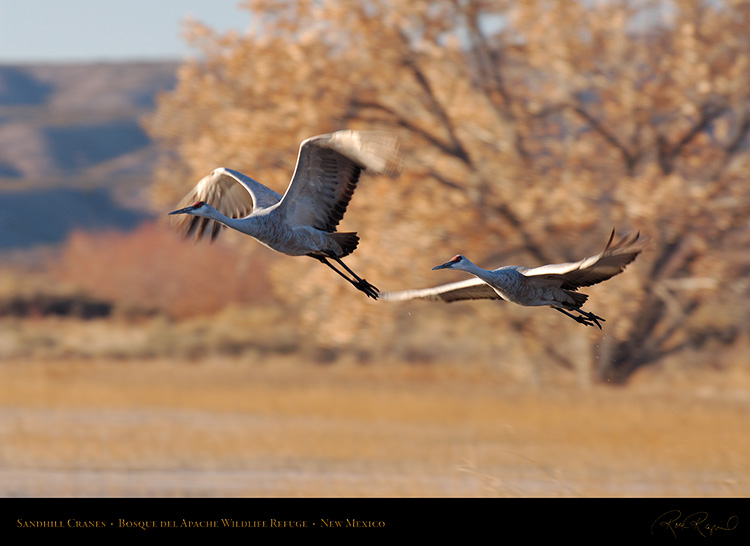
(554, 285)
(302, 222)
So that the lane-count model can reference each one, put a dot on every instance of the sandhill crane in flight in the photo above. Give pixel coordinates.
(554, 285)
(302, 222)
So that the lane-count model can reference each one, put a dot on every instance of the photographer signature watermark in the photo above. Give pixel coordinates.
(674, 523)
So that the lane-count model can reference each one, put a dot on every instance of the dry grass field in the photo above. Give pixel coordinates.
(282, 427)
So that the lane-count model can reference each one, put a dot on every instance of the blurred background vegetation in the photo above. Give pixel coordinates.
(530, 130)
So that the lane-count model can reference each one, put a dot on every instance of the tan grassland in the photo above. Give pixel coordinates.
(283, 427)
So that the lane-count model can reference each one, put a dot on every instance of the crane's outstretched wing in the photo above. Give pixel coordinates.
(327, 172)
(594, 269)
(231, 193)
(470, 289)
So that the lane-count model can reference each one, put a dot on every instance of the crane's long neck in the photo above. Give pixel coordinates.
(469, 267)
(505, 279)
(262, 228)
(245, 225)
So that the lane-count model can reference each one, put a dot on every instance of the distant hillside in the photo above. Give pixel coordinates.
(71, 142)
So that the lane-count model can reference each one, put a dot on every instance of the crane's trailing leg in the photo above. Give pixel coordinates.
(586, 318)
(359, 283)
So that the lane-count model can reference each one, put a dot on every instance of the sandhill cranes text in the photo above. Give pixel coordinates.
(303, 222)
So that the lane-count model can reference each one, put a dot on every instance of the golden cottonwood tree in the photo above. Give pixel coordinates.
(530, 129)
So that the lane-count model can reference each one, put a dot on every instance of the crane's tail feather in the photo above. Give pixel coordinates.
(347, 241)
(578, 298)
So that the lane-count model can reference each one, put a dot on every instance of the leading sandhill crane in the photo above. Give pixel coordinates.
(554, 285)
(302, 222)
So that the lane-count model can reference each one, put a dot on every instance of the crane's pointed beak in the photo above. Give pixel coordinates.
(446, 265)
(182, 211)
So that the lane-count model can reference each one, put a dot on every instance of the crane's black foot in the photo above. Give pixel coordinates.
(594, 318)
(593, 321)
(584, 317)
(367, 288)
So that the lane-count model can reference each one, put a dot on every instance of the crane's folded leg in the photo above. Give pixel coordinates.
(359, 283)
(586, 318)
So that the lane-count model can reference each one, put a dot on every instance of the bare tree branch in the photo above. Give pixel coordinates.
(489, 61)
(630, 158)
(667, 154)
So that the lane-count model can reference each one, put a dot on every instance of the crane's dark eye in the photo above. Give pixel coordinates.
(198, 204)
(455, 259)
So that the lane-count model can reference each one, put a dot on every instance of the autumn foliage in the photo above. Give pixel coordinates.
(530, 130)
(151, 270)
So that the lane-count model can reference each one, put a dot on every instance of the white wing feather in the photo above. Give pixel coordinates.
(470, 289)
(327, 172)
(230, 192)
(593, 269)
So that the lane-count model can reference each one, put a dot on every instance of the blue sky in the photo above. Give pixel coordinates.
(52, 31)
